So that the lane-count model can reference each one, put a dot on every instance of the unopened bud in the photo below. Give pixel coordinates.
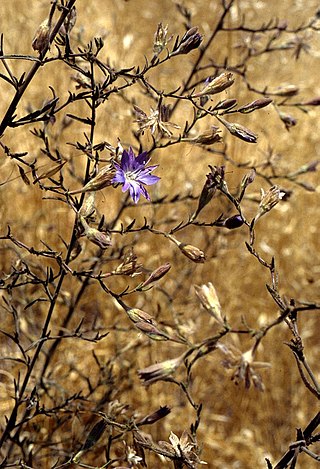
(225, 104)
(217, 85)
(257, 104)
(137, 315)
(269, 200)
(209, 299)
(189, 41)
(239, 131)
(208, 191)
(41, 39)
(233, 222)
(159, 371)
(157, 274)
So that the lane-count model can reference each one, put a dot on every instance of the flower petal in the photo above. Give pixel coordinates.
(148, 179)
(135, 191)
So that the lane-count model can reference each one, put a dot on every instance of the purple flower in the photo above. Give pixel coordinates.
(133, 174)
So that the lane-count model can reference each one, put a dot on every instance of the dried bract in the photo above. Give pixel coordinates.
(185, 450)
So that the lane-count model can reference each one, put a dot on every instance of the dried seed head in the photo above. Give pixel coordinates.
(269, 200)
(98, 238)
(217, 85)
(192, 252)
(41, 39)
(87, 210)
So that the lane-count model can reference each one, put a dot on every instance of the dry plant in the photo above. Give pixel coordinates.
(139, 264)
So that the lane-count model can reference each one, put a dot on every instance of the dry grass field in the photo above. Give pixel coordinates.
(238, 427)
